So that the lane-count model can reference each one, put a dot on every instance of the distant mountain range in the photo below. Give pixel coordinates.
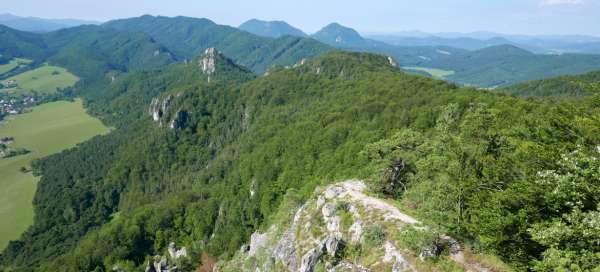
(498, 63)
(543, 44)
(272, 29)
(34, 24)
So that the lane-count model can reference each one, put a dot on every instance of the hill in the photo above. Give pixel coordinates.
(33, 24)
(539, 44)
(205, 163)
(188, 37)
(488, 67)
(577, 87)
(349, 39)
(15, 43)
(506, 64)
(273, 29)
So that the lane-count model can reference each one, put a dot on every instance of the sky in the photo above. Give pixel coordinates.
(372, 16)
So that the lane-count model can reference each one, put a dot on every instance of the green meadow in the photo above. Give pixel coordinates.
(436, 73)
(14, 63)
(44, 79)
(48, 129)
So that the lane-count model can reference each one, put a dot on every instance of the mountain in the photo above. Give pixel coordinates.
(460, 42)
(349, 39)
(91, 51)
(205, 154)
(567, 87)
(488, 67)
(505, 65)
(16, 43)
(540, 44)
(340, 36)
(33, 24)
(188, 37)
(273, 29)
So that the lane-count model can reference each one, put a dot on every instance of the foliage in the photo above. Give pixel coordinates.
(573, 236)
(189, 37)
(566, 87)
(474, 157)
(374, 236)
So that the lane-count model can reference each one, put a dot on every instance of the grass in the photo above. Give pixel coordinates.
(48, 129)
(44, 79)
(436, 73)
(14, 63)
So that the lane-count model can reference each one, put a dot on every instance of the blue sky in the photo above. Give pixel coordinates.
(506, 16)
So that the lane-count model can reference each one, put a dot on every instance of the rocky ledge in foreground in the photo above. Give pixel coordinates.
(344, 229)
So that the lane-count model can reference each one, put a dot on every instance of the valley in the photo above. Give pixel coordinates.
(48, 129)
(159, 143)
(45, 79)
(436, 73)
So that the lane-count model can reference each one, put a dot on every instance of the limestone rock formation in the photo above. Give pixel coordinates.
(324, 233)
(208, 61)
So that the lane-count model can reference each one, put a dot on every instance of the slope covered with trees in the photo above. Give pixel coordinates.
(273, 29)
(577, 87)
(241, 143)
(188, 37)
(490, 67)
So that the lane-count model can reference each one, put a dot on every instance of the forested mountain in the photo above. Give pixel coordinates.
(188, 37)
(540, 44)
(33, 24)
(430, 40)
(566, 87)
(204, 152)
(506, 64)
(15, 43)
(273, 29)
(489, 67)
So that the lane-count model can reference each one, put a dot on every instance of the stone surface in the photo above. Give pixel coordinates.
(208, 61)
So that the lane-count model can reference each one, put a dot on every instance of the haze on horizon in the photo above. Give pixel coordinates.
(530, 17)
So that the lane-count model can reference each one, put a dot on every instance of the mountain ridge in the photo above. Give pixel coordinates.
(272, 29)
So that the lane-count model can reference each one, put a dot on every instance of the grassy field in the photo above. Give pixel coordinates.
(436, 73)
(48, 129)
(14, 63)
(44, 79)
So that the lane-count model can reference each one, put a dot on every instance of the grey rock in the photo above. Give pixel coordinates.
(310, 259)
(208, 61)
(328, 210)
(285, 250)
(257, 241)
(333, 244)
(180, 120)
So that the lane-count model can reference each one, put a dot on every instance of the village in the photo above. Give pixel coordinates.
(11, 105)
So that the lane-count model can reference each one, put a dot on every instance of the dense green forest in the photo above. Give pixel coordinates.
(564, 87)
(494, 66)
(483, 166)
(188, 37)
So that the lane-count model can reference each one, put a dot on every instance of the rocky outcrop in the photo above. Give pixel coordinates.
(179, 120)
(160, 110)
(164, 263)
(208, 61)
(329, 228)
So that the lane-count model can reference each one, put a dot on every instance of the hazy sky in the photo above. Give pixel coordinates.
(506, 16)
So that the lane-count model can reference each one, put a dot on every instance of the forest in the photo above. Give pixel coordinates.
(513, 177)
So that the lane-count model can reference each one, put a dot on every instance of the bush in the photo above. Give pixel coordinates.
(374, 236)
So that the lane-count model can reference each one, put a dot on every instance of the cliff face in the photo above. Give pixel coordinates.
(344, 229)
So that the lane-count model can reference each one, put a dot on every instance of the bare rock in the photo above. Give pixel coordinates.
(208, 61)
(310, 259)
